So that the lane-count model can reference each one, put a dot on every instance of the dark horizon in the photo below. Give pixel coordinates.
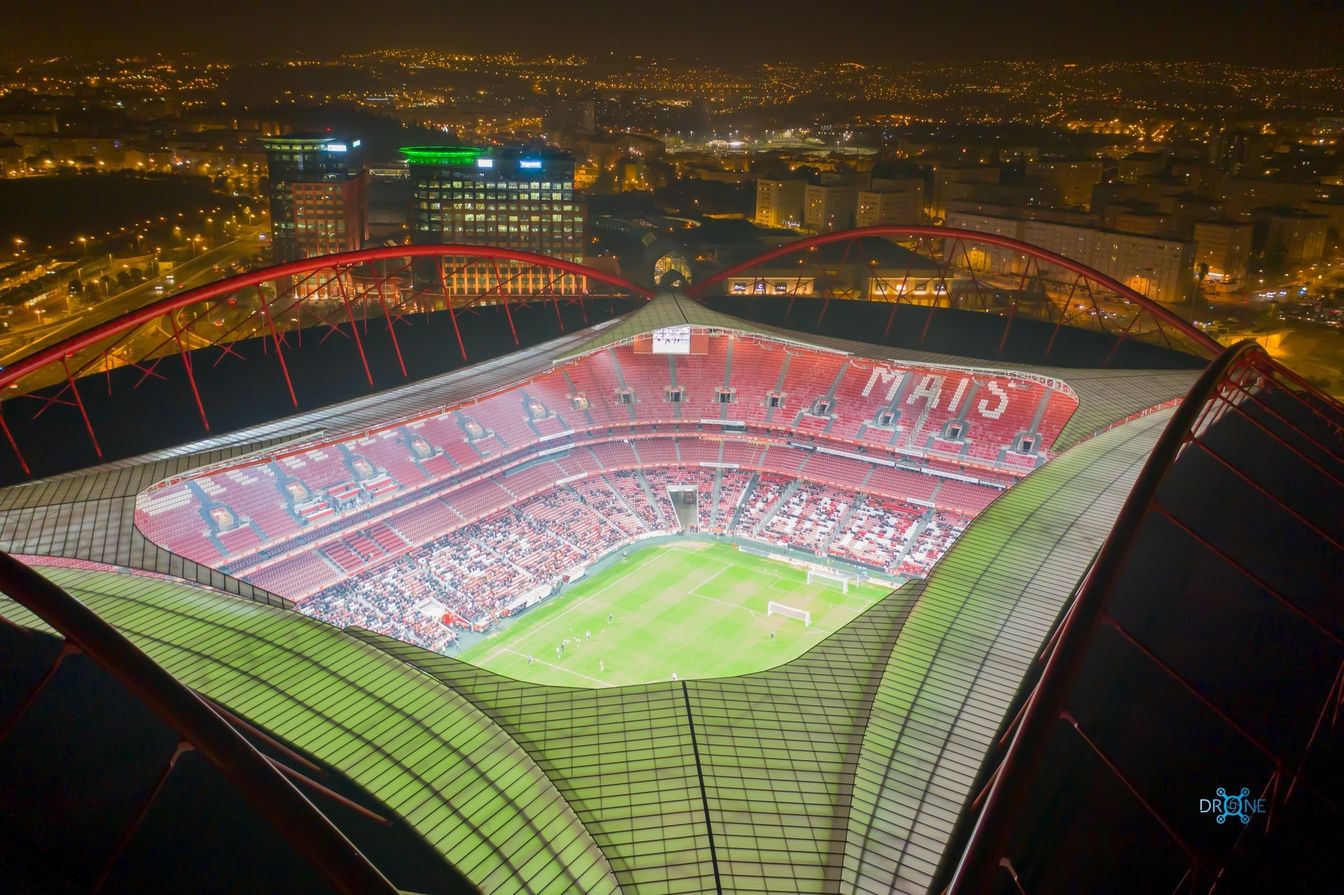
(1296, 34)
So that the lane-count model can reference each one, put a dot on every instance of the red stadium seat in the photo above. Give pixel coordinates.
(459, 511)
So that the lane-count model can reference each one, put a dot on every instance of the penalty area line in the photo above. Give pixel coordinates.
(558, 667)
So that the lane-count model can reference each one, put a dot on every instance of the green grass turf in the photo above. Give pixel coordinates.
(694, 608)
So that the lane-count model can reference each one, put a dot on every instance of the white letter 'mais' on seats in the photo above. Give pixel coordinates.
(928, 387)
(997, 391)
(889, 378)
(956, 395)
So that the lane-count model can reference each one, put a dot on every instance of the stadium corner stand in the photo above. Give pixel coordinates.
(245, 527)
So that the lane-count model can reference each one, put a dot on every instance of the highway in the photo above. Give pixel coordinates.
(187, 274)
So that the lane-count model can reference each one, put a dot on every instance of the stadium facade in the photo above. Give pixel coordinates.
(898, 755)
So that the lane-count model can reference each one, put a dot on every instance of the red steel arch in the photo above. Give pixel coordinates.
(1278, 410)
(229, 285)
(328, 288)
(1162, 315)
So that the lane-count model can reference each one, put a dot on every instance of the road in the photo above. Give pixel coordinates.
(188, 274)
(1309, 349)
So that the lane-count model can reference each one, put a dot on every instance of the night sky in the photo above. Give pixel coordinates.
(1287, 32)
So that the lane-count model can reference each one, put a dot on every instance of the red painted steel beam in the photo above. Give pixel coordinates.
(14, 445)
(186, 365)
(452, 314)
(354, 330)
(508, 315)
(279, 352)
(92, 336)
(989, 837)
(391, 328)
(294, 818)
(1211, 347)
(129, 833)
(1063, 316)
(67, 650)
(1129, 785)
(1232, 562)
(79, 402)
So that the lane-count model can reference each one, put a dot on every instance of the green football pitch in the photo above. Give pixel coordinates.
(696, 609)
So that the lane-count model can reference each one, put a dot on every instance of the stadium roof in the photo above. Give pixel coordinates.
(853, 767)
(1214, 606)
(842, 770)
(672, 309)
(89, 755)
(846, 767)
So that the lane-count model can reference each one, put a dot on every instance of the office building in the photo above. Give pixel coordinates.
(1134, 167)
(1072, 180)
(1160, 268)
(506, 197)
(1144, 223)
(318, 195)
(953, 182)
(11, 156)
(572, 115)
(1225, 246)
(1244, 197)
(1333, 212)
(1051, 189)
(1027, 213)
(829, 207)
(12, 123)
(1187, 208)
(389, 201)
(891, 202)
(1203, 178)
(1291, 237)
(779, 202)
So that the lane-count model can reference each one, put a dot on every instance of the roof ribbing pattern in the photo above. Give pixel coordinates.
(842, 771)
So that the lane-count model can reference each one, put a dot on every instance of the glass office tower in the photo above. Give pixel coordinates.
(507, 197)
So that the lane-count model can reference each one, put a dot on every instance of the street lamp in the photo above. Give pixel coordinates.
(84, 241)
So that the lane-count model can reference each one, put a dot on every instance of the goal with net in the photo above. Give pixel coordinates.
(780, 609)
(830, 579)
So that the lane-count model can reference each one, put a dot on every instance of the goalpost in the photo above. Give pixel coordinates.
(780, 609)
(827, 577)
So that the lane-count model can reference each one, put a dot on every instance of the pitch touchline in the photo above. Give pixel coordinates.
(577, 603)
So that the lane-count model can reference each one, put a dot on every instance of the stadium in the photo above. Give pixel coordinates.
(893, 560)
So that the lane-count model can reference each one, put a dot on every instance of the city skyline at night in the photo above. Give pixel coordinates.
(1297, 33)
(672, 449)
